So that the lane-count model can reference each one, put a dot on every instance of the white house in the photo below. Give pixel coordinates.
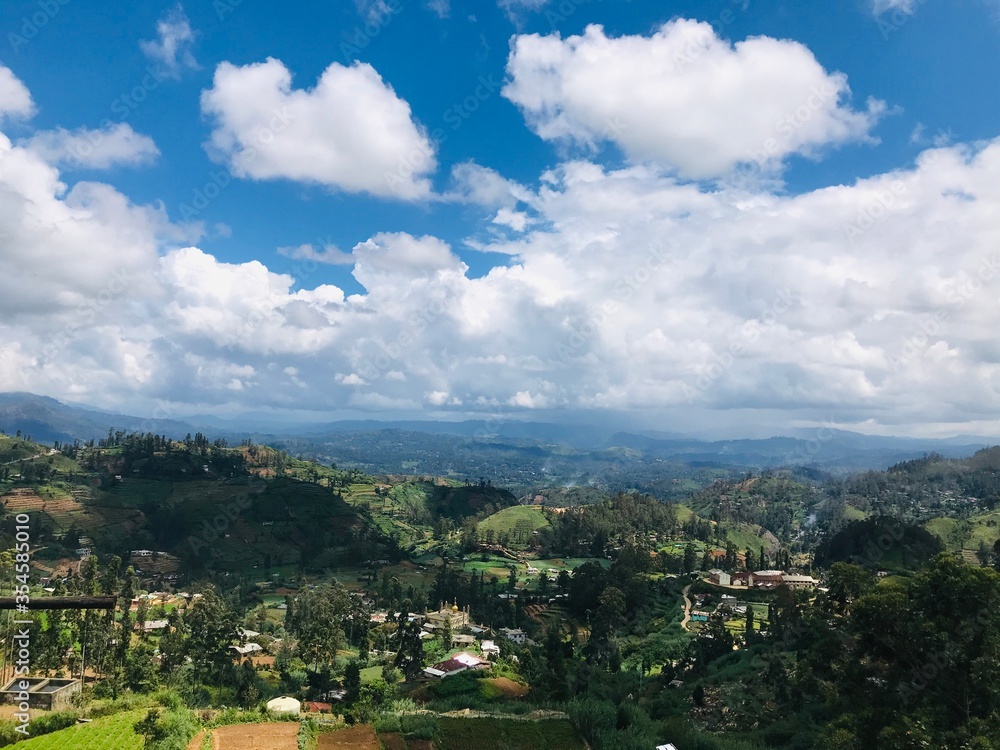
(458, 663)
(720, 577)
(284, 705)
(250, 648)
(514, 634)
(490, 649)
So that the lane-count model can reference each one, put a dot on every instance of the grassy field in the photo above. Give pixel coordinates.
(370, 674)
(949, 531)
(747, 537)
(967, 535)
(109, 733)
(518, 523)
(505, 734)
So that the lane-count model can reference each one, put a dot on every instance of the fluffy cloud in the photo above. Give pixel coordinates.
(15, 99)
(173, 43)
(97, 149)
(873, 303)
(350, 132)
(684, 98)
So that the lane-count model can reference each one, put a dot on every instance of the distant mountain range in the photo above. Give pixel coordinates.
(47, 420)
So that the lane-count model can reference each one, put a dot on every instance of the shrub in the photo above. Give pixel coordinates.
(418, 726)
(169, 699)
(52, 722)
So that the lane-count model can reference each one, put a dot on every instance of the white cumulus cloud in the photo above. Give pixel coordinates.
(683, 98)
(350, 132)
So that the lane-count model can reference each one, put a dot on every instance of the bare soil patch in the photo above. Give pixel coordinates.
(510, 688)
(393, 741)
(281, 735)
(358, 737)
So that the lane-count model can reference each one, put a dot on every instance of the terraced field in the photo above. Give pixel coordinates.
(109, 733)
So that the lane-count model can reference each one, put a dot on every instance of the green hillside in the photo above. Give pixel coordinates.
(518, 524)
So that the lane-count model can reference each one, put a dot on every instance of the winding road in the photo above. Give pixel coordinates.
(687, 607)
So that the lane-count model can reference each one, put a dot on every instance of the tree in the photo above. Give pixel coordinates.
(732, 557)
(352, 680)
(150, 728)
(319, 622)
(410, 653)
(714, 641)
(140, 672)
(846, 583)
(446, 633)
(689, 559)
(212, 626)
(247, 694)
(749, 635)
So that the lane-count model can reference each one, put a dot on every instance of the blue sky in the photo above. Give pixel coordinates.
(606, 205)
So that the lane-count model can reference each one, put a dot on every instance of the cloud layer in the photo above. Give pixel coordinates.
(627, 289)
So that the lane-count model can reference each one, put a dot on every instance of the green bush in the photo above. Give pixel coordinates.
(127, 702)
(8, 735)
(458, 685)
(52, 722)
(169, 699)
(418, 726)
(180, 727)
(387, 724)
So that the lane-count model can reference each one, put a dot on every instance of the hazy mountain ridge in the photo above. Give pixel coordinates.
(507, 451)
